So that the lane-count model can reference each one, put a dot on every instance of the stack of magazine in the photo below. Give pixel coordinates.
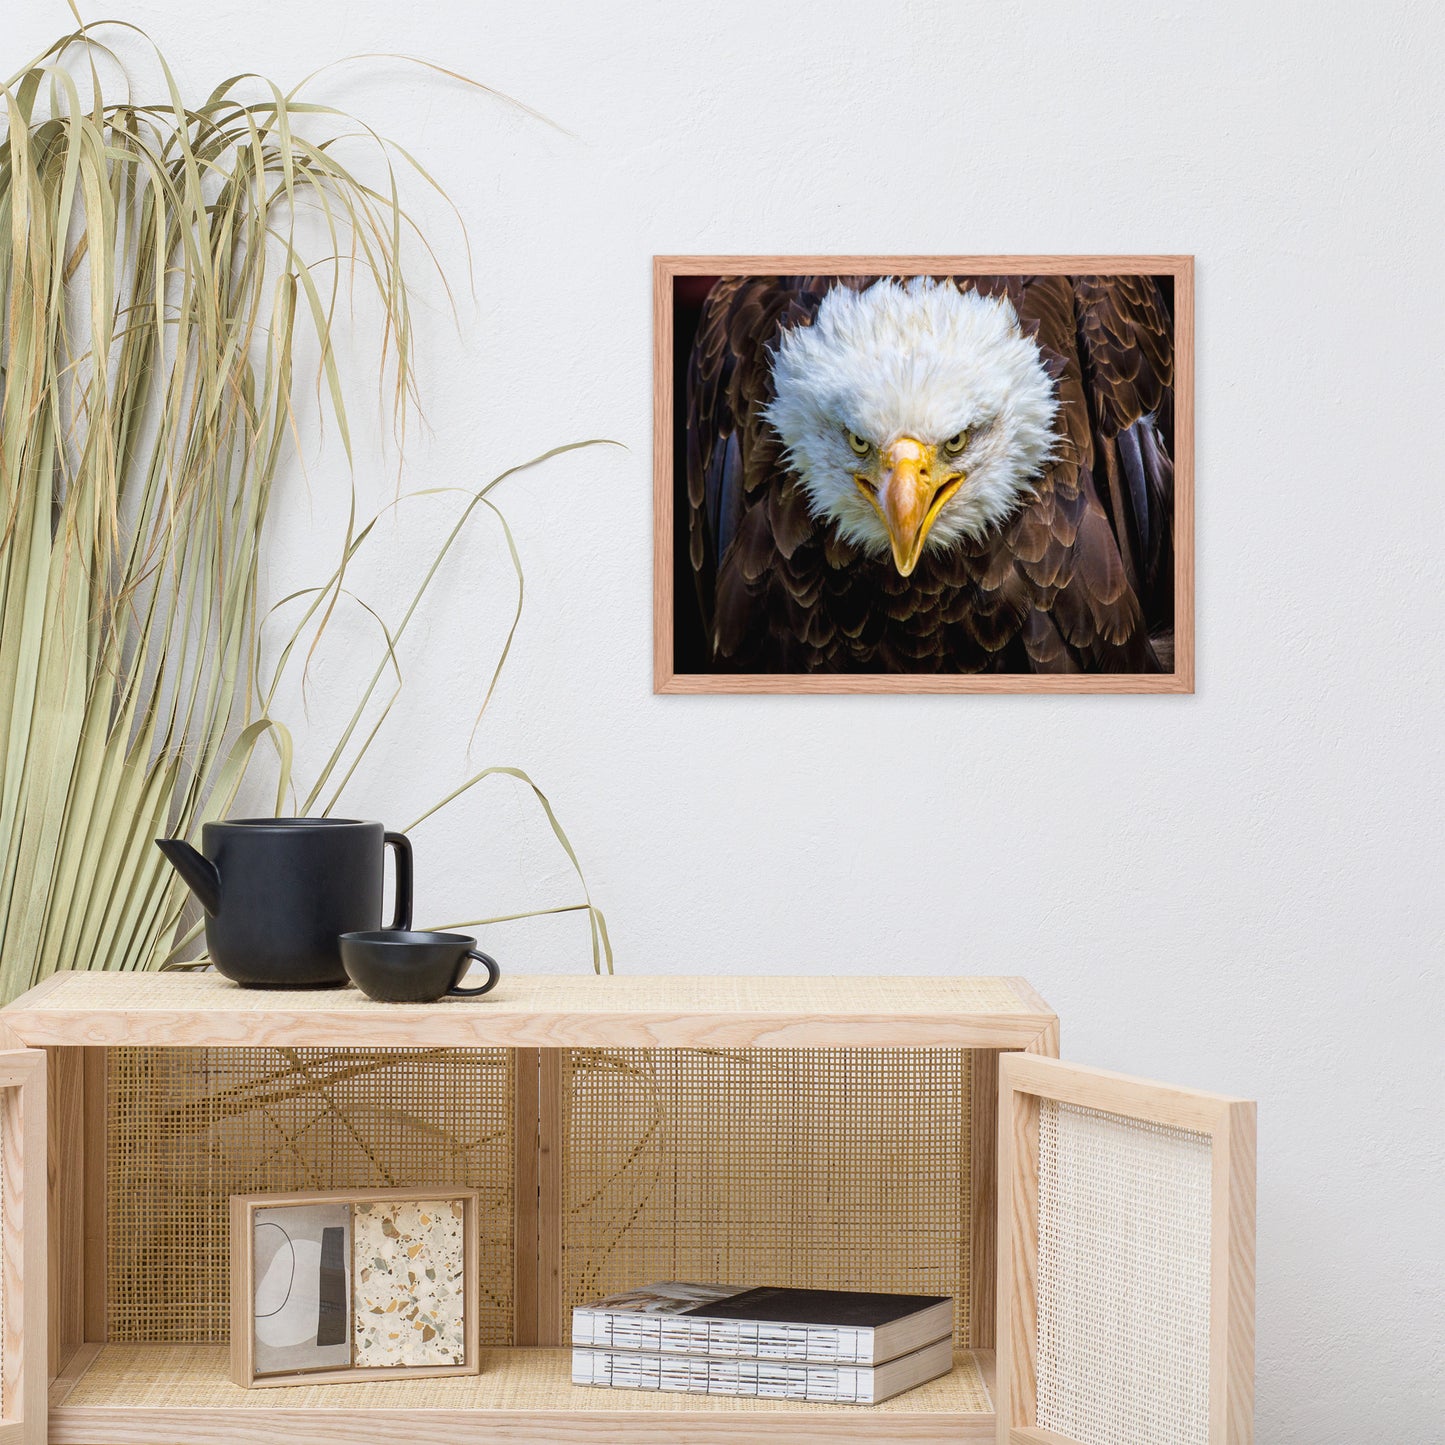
(833, 1346)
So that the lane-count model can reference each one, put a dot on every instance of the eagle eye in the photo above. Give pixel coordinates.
(860, 447)
(956, 443)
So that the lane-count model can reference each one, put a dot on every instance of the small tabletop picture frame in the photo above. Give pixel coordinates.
(351, 1285)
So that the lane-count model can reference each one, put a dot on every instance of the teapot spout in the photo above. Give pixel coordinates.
(199, 873)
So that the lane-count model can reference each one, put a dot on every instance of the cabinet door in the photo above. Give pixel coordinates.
(1126, 1260)
(23, 1261)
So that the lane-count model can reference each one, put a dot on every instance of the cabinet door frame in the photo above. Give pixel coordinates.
(1025, 1081)
(24, 1261)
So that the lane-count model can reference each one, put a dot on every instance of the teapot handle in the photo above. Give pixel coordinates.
(402, 844)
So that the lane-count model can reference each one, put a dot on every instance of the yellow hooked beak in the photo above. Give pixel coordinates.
(914, 484)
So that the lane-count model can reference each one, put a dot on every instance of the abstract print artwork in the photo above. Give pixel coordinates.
(303, 1287)
(956, 474)
(410, 1305)
(331, 1286)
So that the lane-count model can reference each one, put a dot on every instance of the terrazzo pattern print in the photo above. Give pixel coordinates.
(409, 1289)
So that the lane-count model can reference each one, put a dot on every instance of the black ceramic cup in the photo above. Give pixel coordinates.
(393, 965)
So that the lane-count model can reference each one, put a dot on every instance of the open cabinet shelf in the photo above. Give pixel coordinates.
(915, 1135)
(831, 1132)
(181, 1395)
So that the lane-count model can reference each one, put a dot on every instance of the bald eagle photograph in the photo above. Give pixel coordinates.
(924, 480)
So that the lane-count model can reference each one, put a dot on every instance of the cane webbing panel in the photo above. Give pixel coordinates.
(138, 1377)
(187, 1128)
(1123, 1279)
(826, 1168)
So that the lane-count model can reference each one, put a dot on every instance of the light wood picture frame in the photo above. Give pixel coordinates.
(764, 582)
(1225, 1387)
(244, 1212)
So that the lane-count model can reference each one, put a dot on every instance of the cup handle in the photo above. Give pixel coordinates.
(402, 844)
(494, 972)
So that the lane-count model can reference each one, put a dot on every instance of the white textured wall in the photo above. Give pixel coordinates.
(1238, 890)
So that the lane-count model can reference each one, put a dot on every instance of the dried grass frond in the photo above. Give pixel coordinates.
(155, 294)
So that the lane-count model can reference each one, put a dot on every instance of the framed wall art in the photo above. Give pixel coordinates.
(923, 474)
(351, 1286)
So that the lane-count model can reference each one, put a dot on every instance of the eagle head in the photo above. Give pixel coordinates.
(915, 415)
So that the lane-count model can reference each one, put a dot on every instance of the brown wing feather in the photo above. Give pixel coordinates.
(1063, 542)
(1126, 343)
(746, 513)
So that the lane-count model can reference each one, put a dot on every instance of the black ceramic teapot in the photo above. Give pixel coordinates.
(279, 891)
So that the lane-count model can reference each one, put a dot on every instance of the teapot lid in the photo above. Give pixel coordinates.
(290, 823)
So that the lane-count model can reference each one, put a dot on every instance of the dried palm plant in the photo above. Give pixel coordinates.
(156, 292)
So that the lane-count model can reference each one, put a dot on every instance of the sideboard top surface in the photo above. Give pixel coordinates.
(537, 1011)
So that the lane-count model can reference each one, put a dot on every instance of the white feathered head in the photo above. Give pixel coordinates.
(915, 414)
